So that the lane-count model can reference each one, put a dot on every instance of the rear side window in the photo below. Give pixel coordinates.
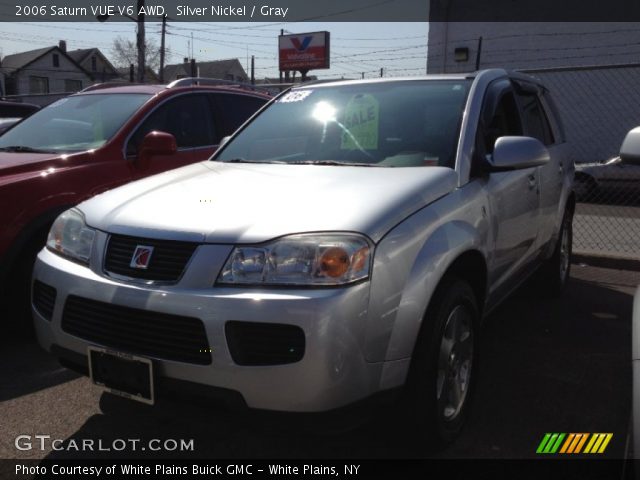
(234, 110)
(187, 117)
(535, 120)
(554, 116)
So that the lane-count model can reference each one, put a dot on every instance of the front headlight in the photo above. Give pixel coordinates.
(70, 237)
(310, 259)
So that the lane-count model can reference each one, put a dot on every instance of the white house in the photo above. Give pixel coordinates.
(43, 71)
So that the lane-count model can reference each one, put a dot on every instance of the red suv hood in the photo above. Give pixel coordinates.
(12, 163)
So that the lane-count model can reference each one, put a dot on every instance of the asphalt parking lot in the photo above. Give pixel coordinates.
(547, 365)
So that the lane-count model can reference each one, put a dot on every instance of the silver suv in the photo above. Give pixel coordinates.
(347, 240)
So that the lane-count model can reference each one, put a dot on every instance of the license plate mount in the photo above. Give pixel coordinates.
(122, 374)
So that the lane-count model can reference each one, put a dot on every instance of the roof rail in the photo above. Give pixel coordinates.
(300, 84)
(192, 81)
(277, 85)
(100, 86)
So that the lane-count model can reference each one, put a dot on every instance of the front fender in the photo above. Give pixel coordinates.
(410, 262)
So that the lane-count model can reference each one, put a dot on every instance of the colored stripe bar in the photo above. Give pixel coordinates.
(581, 443)
(599, 440)
(544, 441)
(591, 442)
(550, 443)
(574, 444)
(607, 439)
(568, 442)
(554, 449)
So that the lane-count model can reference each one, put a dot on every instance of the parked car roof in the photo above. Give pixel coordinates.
(430, 76)
(16, 110)
(158, 88)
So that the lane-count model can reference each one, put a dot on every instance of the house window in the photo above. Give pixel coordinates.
(72, 85)
(56, 60)
(38, 84)
(94, 63)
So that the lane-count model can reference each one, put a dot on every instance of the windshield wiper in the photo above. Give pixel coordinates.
(244, 160)
(303, 162)
(23, 149)
(334, 163)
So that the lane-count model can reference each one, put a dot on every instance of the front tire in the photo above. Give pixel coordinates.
(443, 364)
(18, 290)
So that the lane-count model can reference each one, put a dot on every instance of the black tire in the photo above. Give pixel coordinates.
(19, 287)
(429, 403)
(555, 274)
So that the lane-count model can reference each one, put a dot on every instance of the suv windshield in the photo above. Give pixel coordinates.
(73, 124)
(388, 124)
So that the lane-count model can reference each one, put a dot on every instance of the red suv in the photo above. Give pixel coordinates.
(99, 139)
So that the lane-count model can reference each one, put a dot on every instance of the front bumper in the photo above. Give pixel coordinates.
(332, 373)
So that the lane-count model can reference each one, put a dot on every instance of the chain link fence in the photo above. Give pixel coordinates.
(599, 105)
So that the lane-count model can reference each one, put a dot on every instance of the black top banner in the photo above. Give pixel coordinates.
(279, 11)
(219, 10)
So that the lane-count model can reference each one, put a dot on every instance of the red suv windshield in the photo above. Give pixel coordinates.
(73, 124)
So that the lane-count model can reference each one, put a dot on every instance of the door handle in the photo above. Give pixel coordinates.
(532, 182)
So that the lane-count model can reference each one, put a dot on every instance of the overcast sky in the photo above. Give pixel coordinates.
(399, 48)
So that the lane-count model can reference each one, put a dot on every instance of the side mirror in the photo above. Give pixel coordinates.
(156, 143)
(630, 149)
(514, 153)
(224, 140)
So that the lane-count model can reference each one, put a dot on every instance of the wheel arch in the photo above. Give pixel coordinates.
(468, 264)
(28, 234)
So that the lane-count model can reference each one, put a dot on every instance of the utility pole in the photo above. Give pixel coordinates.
(164, 30)
(281, 33)
(381, 72)
(286, 73)
(253, 70)
(140, 42)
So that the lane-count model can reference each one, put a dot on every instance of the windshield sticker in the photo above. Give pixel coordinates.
(296, 96)
(361, 119)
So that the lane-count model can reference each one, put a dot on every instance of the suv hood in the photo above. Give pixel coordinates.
(15, 162)
(247, 203)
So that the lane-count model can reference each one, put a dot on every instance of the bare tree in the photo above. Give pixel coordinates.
(125, 53)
